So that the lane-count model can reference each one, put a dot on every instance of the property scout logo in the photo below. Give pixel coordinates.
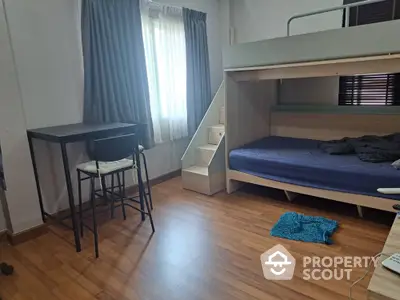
(278, 264)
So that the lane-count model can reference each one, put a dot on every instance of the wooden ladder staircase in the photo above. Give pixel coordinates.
(203, 164)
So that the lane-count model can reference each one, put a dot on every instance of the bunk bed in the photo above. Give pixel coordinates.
(273, 147)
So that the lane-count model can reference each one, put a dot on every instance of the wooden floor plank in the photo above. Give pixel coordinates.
(204, 248)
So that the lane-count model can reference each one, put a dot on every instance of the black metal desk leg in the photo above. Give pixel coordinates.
(35, 173)
(70, 196)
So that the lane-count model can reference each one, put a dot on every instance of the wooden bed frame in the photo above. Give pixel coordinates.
(251, 95)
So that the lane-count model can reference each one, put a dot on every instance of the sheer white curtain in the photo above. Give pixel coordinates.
(165, 48)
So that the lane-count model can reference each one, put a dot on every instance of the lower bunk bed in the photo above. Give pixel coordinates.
(298, 165)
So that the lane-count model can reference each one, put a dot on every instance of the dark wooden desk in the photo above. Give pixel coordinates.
(69, 134)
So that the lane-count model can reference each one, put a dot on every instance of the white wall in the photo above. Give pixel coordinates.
(47, 46)
(265, 19)
(47, 49)
(255, 20)
(23, 208)
(225, 17)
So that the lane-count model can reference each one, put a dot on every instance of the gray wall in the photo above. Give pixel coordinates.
(323, 91)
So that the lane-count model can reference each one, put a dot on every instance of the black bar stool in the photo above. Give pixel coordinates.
(112, 156)
(148, 185)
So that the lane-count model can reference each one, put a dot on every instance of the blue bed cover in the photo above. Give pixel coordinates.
(301, 162)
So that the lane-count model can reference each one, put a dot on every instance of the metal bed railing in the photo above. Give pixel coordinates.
(345, 7)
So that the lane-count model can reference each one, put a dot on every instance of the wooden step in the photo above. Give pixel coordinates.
(199, 180)
(198, 170)
(215, 133)
(196, 179)
(204, 154)
(222, 115)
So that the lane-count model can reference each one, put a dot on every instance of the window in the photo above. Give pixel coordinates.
(165, 48)
(371, 89)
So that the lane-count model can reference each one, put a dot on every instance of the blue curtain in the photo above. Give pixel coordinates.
(198, 67)
(116, 88)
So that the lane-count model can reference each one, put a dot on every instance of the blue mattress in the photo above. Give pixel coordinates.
(301, 162)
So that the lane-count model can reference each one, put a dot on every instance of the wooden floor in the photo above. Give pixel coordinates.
(203, 248)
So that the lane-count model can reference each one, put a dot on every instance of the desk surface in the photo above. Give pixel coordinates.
(385, 284)
(79, 131)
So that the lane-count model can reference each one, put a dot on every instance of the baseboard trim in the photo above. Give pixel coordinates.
(135, 188)
(34, 232)
(3, 236)
(129, 191)
(26, 235)
(165, 177)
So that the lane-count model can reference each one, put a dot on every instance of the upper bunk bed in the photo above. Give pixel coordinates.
(349, 50)
(252, 79)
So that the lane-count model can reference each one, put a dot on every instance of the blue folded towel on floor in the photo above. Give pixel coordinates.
(298, 227)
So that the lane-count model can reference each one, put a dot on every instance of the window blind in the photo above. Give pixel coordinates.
(371, 89)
